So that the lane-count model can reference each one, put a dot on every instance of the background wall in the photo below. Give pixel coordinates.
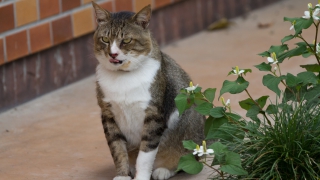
(47, 44)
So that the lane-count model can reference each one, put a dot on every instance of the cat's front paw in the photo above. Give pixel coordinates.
(162, 174)
(122, 178)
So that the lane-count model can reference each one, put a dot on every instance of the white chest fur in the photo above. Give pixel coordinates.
(128, 93)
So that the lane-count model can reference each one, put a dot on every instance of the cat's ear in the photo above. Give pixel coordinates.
(142, 18)
(102, 16)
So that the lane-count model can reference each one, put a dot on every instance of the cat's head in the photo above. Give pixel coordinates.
(122, 40)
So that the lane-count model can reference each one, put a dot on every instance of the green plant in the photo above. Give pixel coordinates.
(289, 149)
(279, 140)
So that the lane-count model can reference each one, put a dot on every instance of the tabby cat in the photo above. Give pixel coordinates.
(136, 87)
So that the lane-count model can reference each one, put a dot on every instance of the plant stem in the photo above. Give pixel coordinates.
(315, 42)
(298, 98)
(312, 49)
(220, 173)
(261, 110)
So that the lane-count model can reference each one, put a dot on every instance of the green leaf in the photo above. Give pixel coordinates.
(278, 49)
(199, 99)
(264, 54)
(302, 43)
(307, 54)
(290, 19)
(210, 93)
(293, 52)
(204, 108)
(311, 67)
(262, 101)
(272, 83)
(300, 23)
(233, 170)
(272, 109)
(264, 67)
(233, 164)
(292, 81)
(217, 112)
(181, 102)
(189, 164)
(215, 123)
(234, 87)
(190, 145)
(308, 77)
(225, 131)
(287, 38)
(246, 104)
(313, 93)
(233, 158)
(253, 112)
(207, 125)
(218, 148)
(233, 116)
(198, 89)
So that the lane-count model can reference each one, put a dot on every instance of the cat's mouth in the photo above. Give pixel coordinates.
(115, 61)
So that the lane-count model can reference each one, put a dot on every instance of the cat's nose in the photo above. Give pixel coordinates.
(113, 55)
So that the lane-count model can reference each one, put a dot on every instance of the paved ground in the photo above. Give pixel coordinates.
(59, 135)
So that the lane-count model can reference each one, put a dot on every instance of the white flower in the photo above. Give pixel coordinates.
(273, 58)
(237, 71)
(226, 104)
(292, 27)
(191, 87)
(202, 150)
(318, 48)
(293, 23)
(272, 61)
(307, 14)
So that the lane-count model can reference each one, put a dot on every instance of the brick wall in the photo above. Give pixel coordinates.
(46, 44)
(29, 26)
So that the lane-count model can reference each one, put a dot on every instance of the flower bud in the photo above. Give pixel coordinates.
(237, 69)
(198, 148)
(222, 100)
(274, 56)
(191, 84)
(204, 145)
(310, 5)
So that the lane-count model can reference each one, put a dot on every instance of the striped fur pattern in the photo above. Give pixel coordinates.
(136, 86)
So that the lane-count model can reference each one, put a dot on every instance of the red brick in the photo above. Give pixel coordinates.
(107, 6)
(25, 12)
(48, 8)
(62, 30)
(162, 3)
(1, 52)
(70, 4)
(123, 5)
(40, 37)
(6, 18)
(17, 45)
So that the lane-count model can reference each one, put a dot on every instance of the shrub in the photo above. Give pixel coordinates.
(279, 140)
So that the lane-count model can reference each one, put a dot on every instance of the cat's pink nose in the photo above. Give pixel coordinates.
(113, 55)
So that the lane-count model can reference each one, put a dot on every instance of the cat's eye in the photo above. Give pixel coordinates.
(105, 39)
(126, 41)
